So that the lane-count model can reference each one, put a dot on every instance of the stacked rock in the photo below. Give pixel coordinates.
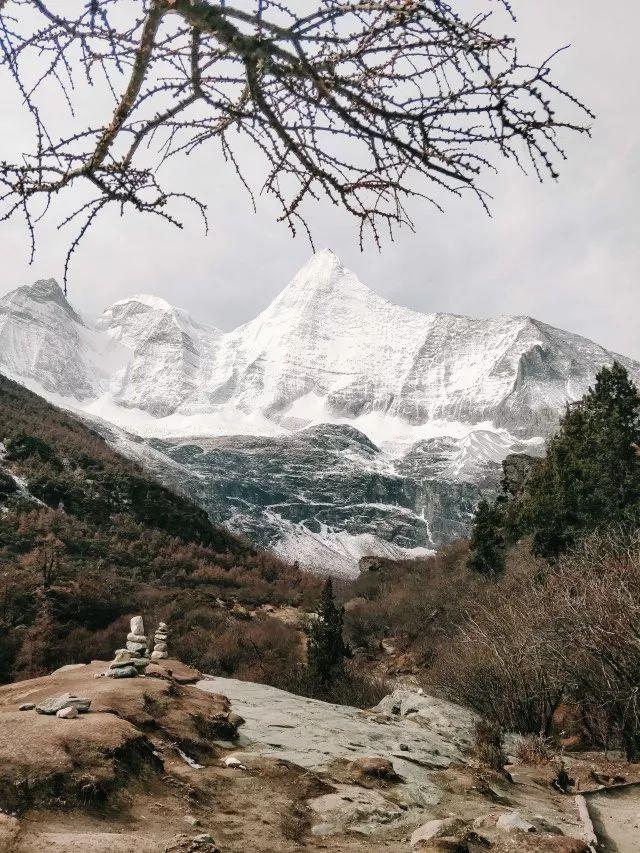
(160, 642)
(132, 661)
(136, 640)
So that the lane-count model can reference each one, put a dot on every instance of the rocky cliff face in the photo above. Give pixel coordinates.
(333, 424)
(324, 496)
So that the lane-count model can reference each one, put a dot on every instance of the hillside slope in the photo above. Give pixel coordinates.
(86, 536)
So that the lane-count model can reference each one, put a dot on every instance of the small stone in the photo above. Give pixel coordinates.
(140, 663)
(512, 821)
(122, 658)
(203, 838)
(403, 747)
(123, 672)
(192, 820)
(137, 648)
(234, 719)
(160, 647)
(137, 626)
(137, 638)
(232, 761)
(435, 829)
(159, 655)
(162, 624)
(27, 706)
(57, 703)
(69, 713)
(388, 646)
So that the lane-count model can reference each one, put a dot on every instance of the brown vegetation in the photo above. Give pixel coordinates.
(570, 634)
(412, 601)
(520, 649)
(104, 540)
(488, 745)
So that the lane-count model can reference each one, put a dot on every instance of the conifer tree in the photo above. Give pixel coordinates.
(591, 474)
(487, 545)
(326, 648)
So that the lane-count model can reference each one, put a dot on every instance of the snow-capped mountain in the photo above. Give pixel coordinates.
(431, 403)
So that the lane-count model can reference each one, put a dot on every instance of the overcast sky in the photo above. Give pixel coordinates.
(566, 253)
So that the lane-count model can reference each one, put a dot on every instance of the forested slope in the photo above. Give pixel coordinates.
(87, 537)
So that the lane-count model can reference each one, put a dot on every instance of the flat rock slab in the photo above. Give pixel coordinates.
(352, 809)
(70, 667)
(443, 719)
(313, 734)
(55, 704)
(616, 818)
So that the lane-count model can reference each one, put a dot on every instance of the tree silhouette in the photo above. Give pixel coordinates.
(326, 648)
(487, 543)
(590, 476)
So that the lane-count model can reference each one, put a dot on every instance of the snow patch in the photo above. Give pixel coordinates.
(335, 552)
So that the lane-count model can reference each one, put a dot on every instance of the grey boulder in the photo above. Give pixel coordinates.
(123, 672)
(59, 703)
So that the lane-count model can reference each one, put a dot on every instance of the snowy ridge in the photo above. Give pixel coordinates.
(439, 395)
(327, 349)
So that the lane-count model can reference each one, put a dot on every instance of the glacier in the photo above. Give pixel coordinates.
(332, 426)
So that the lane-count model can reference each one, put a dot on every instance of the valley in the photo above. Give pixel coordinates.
(333, 426)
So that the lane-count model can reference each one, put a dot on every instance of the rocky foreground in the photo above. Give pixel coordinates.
(171, 762)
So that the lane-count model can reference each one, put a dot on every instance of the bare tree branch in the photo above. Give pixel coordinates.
(369, 103)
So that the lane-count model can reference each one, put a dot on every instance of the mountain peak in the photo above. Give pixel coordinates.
(321, 281)
(44, 292)
(322, 268)
(146, 299)
(47, 289)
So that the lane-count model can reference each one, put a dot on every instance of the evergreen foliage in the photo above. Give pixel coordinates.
(326, 648)
(487, 545)
(590, 476)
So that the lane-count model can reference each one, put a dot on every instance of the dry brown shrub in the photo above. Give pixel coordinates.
(535, 750)
(568, 633)
(488, 745)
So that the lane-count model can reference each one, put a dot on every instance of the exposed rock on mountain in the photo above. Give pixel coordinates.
(332, 425)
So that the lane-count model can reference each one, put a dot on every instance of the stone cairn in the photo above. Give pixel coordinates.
(134, 659)
(160, 642)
